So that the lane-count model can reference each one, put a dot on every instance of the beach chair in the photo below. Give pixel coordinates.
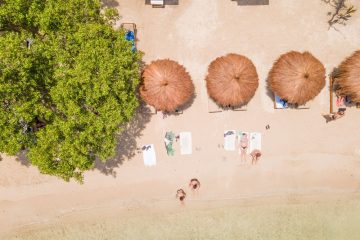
(239, 108)
(213, 107)
(304, 106)
(157, 3)
(152, 110)
(280, 103)
(149, 155)
(185, 143)
(130, 33)
(255, 141)
(229, 140)
(169, 140)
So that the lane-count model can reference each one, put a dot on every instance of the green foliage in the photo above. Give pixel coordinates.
(342, 12)
(64, 97)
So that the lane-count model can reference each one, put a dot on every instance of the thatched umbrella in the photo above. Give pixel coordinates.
(347, 78)
(231, 80)
(166, 85)
(297, 77)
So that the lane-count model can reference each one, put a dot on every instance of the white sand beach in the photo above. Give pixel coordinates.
(309, 170)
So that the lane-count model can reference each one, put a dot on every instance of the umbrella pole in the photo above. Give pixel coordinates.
(331, 94)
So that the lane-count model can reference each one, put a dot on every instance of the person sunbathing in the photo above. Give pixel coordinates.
(244, 142)
(181, 195)
(255, 155)
(194, 184)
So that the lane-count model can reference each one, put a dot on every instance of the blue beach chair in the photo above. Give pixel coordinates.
(130, 34)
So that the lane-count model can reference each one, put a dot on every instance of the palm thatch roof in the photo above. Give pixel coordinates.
(297, 77)
(166, 85)
(347, 78)
(231, 80)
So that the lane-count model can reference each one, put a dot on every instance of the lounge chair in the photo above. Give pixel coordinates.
(157, 3)
(255, 141)
(149, 155)
(229, 140)
(185, 143)
(213, 107)
(304, 106)
(280, 103)
(169, 140)
(130, 33)
(239, 108)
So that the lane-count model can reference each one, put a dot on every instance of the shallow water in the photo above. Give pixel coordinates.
(335, 219)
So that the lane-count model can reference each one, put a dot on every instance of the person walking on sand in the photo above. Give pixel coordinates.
(181, 195)
(255, 155)
(243, 146)
(194, 184)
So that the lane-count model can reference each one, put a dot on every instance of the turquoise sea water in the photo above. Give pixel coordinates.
(336, 219)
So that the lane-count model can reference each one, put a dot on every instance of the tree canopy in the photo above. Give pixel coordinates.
(68, 80)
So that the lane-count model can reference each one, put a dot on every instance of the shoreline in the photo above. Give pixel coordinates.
(141, 211)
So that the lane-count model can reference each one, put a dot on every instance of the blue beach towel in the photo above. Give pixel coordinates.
(130, 36)
(280, 103)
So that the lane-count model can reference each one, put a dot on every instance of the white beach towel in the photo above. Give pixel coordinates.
(255, 141)
(157, 2)
(238, 138)
(279, 103)
(229, 140)
(149, 155)
(185, 143)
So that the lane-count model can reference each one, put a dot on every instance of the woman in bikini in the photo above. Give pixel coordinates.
(194, 184)
(181, 195)
(244, 142)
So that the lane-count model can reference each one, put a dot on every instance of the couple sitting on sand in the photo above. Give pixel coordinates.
(194, 185)
(243, 146)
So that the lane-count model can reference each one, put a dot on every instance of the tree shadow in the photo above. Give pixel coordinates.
(127, 146)
(22, 158)
(110, 3)
(251, 2)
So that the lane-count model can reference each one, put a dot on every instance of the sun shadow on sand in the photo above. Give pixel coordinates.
(110, 3)
(166, 2)
(127, 145)
(251, 2)
(22, 158)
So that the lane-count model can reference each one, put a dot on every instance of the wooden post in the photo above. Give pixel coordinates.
(331, 93)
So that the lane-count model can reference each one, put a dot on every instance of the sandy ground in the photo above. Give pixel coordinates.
(302, 154)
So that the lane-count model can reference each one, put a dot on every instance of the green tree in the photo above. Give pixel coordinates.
(64, 96)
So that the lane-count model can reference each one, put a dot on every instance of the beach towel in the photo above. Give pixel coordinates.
(280, 103)
(169, 139)
(130, 36)
(185, 143)
(255, 141)
(229, 140)
(149, 155)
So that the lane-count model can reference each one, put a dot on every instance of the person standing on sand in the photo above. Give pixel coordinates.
(194, 184)
(180, 194)
(244, 142)
(255, 155)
